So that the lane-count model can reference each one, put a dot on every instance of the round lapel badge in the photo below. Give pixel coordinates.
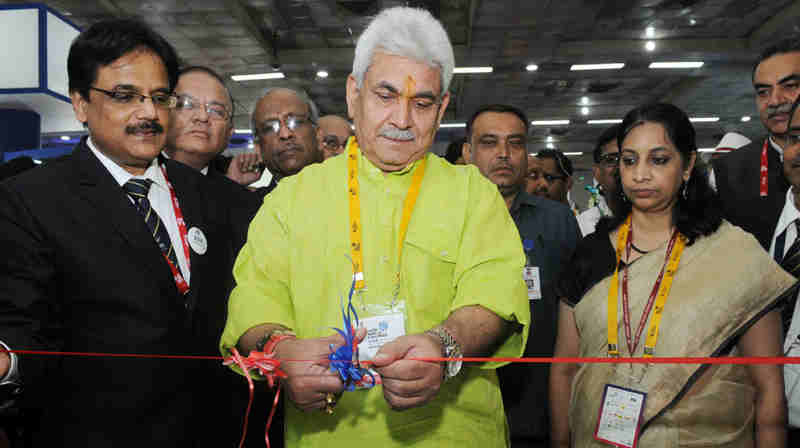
(197, 241)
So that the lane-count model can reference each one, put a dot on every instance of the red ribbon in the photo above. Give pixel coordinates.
(268, 367)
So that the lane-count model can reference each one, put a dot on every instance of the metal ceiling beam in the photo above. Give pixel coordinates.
(593, 50)
(780, 21)
(240, 11)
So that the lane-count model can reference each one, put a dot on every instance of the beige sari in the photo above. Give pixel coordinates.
(724, 283)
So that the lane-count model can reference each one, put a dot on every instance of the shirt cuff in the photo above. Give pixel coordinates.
(13, 371)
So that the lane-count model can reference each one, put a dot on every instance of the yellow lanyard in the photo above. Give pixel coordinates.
(356, 246)
(664, 284)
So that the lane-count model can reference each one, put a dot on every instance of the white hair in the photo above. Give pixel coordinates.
(408, 32)
(301, 94)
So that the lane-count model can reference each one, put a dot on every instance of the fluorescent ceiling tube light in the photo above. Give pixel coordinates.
(705, 149)
(573, 153)
(243, 131)
(704, 119)
(531, 67)
(605, 121)
(453, 125)
(322, 74)
(257, 76)
(676, 64)
(549, 122)
(610, 66)
(65, 138)
(466, 70)
(746, 118)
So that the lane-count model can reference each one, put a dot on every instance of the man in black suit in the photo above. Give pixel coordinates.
(497, 144)
(112, 250)
(750, 180)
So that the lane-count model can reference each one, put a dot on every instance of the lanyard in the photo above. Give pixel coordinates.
(180, 282)
(763, 189)
(356, 247)
(658, 295)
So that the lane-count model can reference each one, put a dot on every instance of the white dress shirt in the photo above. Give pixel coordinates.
(159, 198)
(791, 345)
(587, 220)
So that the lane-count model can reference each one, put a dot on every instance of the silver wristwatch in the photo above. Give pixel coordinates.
(450, 349)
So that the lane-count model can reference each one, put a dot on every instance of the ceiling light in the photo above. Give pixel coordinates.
(549, 122)
(650, 31)
(585, 100)
(585, 110)
(676, 64)
(453, 125)
(251, 145)
(692, 22)
(605, 121)
(550, 146)
(549, 138)
(65, 138)
(257, 76)
(706, 149)
(531, 67)
(704, 119)
(650, 45)
(609, 66)
(322, 74)
(466, 70)
(243, 131)
(573, 153)
(37, 161)
(746, 118)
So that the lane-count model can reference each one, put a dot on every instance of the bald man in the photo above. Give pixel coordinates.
(332, 134)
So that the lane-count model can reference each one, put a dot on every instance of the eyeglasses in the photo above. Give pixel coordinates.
(215, 111)
(550, 178)
(273, 126)
(332, 142)
(610, 159)
(160, 99)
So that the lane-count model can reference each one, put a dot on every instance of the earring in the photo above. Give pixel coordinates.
(623, 196)
(683, 193)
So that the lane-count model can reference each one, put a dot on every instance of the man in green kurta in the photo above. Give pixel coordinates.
(439, 275)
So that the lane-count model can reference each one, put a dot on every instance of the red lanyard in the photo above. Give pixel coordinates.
(180, 282)
(626, 312)
(764, 166)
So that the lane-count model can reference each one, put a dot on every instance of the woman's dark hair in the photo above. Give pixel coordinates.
(697, 214)
(105, 42)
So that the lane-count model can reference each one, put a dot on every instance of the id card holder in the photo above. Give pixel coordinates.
(533, 282)
(380, 330)
(620, 416)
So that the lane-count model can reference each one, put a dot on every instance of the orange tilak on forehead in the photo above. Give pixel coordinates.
(411, 88)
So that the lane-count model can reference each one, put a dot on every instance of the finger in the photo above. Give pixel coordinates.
(405, 370)
(398, 403)
(390, 352)
(410, 389)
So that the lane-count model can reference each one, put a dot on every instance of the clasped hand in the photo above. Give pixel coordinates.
(406, 383)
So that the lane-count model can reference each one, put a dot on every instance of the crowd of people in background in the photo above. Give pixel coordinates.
(146, 240)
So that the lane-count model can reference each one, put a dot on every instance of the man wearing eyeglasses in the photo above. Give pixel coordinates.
(332, 134)
(113, 251)
(606, 163)
(201, 124)
(284, 131)
(553, 176)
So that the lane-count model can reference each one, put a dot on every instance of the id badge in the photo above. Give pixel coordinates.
(531, 276)
(620, 416)
(380, 330)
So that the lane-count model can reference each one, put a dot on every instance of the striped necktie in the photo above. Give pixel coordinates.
(791, 264)
(137, 189)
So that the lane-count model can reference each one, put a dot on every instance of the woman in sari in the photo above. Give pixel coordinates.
(668, 277)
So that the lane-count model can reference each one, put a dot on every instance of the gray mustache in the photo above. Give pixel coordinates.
(779, 109)
(397, 134)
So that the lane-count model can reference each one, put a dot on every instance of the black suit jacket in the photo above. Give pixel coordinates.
(80, 272)
(737, 176)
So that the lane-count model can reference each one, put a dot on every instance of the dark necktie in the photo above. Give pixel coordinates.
(137, 189)
(791, 264)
